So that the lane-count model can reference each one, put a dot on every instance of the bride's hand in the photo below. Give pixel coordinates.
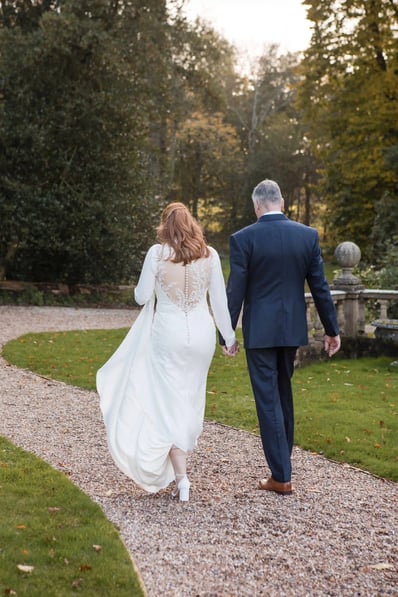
(232, 350)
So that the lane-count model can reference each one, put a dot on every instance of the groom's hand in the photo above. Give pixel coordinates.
(332, 344)
(232, 350)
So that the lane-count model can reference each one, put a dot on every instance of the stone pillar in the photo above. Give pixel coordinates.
(383, 309)
(348, 255)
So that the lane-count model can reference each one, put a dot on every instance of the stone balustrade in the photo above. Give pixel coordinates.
(351, 310)
(351, 300)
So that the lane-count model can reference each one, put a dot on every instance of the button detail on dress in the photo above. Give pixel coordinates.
(186, 299)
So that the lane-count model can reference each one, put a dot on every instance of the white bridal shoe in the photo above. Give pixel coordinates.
(182, 489)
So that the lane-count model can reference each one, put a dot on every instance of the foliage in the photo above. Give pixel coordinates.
(385, 229)
(101, 297)
(386, 274)
(59, 537)
(263, 110)
(95, 94)
(203, 69)
(208, 165)
(345, 409)
(75, 182)
(110, 109)
(206, 162)
(348, 97)
(25, 14)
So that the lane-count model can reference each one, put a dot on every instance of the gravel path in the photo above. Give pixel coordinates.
(336, 536)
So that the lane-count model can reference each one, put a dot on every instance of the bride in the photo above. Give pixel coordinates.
(152, 390)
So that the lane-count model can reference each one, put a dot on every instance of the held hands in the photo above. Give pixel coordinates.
(332, 344)
(232, 350)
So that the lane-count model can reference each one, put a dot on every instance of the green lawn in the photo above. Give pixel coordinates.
(53, 539)
(345, 409)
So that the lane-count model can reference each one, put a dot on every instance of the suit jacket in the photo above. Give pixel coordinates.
(270, 262)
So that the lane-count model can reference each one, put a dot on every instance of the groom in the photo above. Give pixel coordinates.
(269, 264)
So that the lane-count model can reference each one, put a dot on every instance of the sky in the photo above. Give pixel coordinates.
(252, 24)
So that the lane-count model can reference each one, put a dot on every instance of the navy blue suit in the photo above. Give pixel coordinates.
(269, 264)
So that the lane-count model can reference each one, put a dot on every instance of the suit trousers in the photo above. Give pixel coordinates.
(271, 370)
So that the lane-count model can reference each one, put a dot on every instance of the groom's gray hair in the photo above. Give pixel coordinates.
(267, 192)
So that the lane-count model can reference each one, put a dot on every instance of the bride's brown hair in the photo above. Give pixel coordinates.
(179, 229)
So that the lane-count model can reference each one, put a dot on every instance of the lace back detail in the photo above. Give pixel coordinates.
(185, 286)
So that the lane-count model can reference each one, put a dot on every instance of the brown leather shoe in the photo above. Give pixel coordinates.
(272, 485)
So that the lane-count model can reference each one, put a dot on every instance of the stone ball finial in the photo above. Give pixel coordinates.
(347, 254)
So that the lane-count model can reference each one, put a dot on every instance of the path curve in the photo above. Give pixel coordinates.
(336, 536)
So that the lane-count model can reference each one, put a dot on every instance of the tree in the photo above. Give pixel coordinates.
(201, 78)
(208, 163)
(77, 105)
(349, 98)
(25, 14)
(264, 111)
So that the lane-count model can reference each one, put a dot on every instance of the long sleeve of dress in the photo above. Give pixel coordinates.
(218, 300)
(145, 288)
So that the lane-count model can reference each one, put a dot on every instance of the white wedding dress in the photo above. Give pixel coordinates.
(152, 390)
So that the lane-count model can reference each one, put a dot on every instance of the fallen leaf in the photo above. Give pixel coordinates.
(376, 445)
(348, 440)
(85, 567)
(20, 526)
(382, 566)
(52, 509)
(23, 568)
(97, 547)
(66, 561)
(9, 592)
(76, 583)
